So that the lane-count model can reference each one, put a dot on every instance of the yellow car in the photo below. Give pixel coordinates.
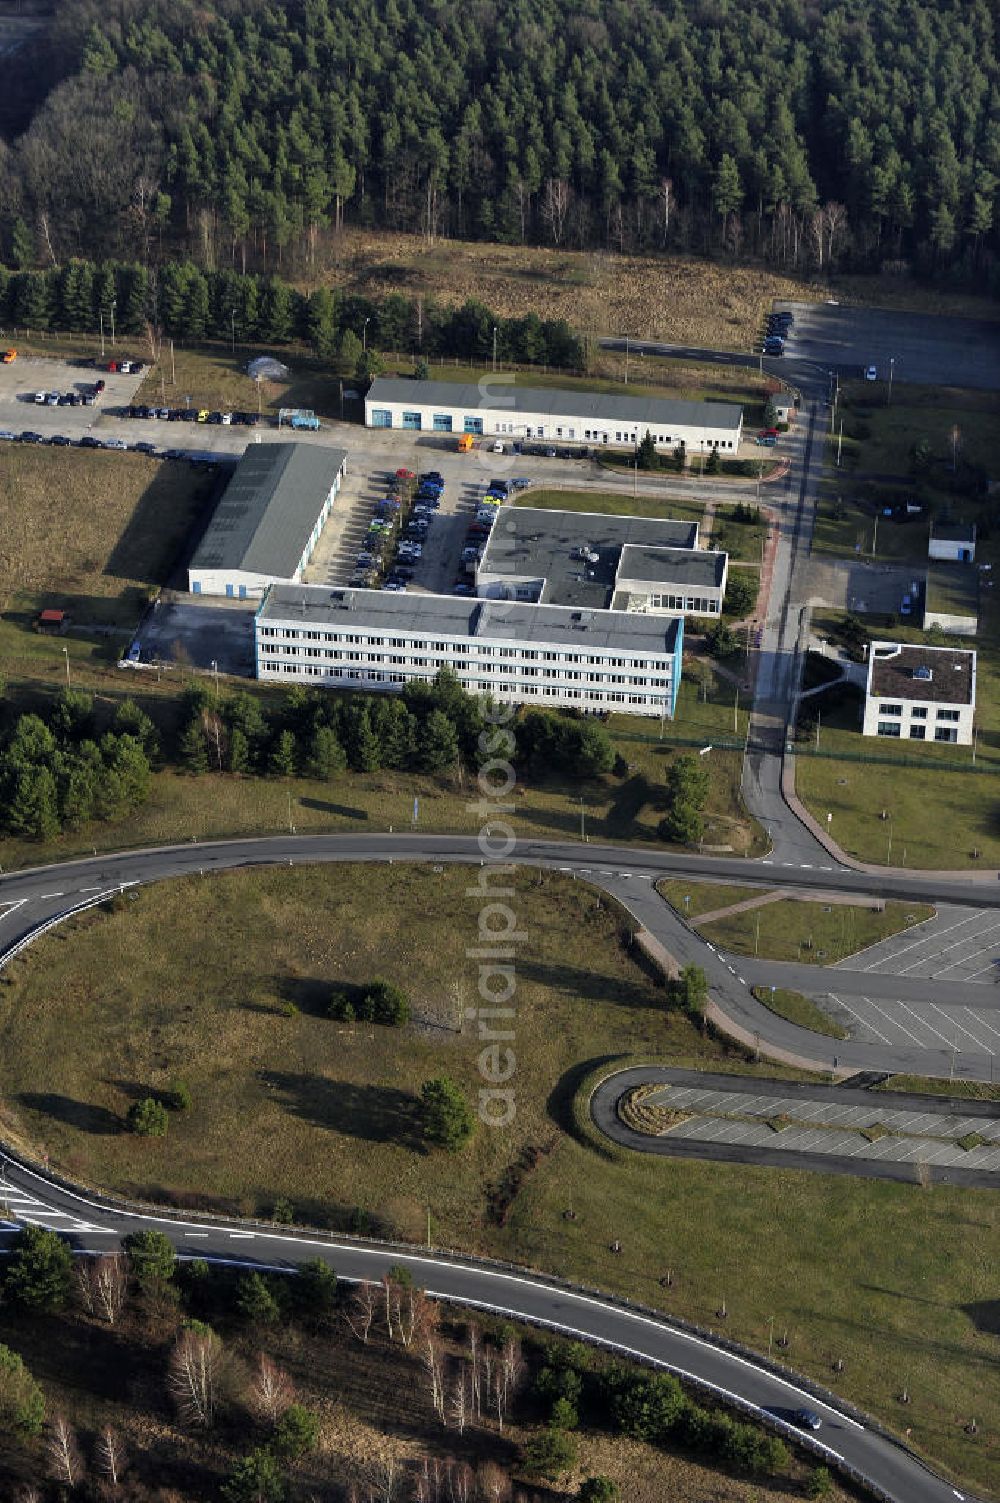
(9, 356)
(203, 415)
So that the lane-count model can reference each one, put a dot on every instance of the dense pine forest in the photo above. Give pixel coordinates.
(812, 134)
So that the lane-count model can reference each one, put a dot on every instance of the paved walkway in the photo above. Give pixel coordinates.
(777, 895)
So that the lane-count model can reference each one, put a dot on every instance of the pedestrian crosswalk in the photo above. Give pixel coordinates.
(18, 1208)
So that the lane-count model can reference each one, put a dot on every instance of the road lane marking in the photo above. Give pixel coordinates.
(863, 1021)
(950, 1019)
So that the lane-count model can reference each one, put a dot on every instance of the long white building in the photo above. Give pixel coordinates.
(523, 653)
(269, 519)
(496, 408)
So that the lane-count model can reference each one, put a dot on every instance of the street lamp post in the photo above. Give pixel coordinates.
(66, 656)
(364, 334)
(892, 363)
(114, 304)
(583, 831)
(626, 359)
(233, 324)
(494, 349)
(100, 315)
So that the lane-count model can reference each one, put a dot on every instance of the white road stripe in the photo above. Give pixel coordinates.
(857, 1016)
(950, 1018)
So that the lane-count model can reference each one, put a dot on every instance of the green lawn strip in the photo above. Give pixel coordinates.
(793, 930)
(796, 1008)
(970, 1090)
(705, 897)
(874, 1132)
(615, 503)
(191, 979)
(973, 1140)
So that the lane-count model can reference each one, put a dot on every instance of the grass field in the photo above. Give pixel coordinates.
(704, 897)
(794, 1007)
(819, 933)
(894, 1280)
(91, 532)
(615, 503)
(972, 1090)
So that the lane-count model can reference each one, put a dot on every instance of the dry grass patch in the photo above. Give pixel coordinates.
(82, 528)
(653, 1118)
(673, 298)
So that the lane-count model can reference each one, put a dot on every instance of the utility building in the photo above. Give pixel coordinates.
(506, 410)
(269, 519)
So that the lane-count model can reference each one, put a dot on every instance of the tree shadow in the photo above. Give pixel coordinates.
(559, 1104)
(135, 1090)
(84, 1116)
(308, 994)
(578, 982)
(323, 806)
(627, 804)
(377, 1114)
(985, 1315)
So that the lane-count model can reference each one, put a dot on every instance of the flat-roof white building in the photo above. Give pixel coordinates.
(523, 653)
(917, 693)
(507, 410)
(593, 559)
(269, 519)
(952, 542)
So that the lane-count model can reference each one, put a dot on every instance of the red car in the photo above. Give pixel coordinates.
(405, 475)
(769, 433)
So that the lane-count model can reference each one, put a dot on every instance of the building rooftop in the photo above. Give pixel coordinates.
(457, 616)
(659, 413)
(687, 567)
(952, 589)
(269, 509)
(533, 544)
(954, 532)
(932, 675)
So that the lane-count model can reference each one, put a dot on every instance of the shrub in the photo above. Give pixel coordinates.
(549, 1453)
(178, 1098)
(341, 1007)
(38, 1274)
(256, 1478)
(296, 1433)
(255, 1300)
(563, 1415)
(446, 1115)
(22, 1406)
(283, 1211)
(383, 1002)
(148, 1118)
(314, 1292)
(151, 1258)
(598, 1490)
(818, 1483)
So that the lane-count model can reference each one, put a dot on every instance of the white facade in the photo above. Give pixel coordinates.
(953, 545)
(920, 693)
(365, 639)
(495, 409)
(248, 584)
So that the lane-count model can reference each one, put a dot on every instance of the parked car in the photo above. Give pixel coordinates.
(143, 447)
(40, 398)
(9, 356)
(27, 437)
(764, 442)
(7, 433)
(115, 443)
(99, 385)
(60, 441)
(88, 441)
(871, 373)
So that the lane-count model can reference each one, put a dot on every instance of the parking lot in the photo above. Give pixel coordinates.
(949, 1030)
(440, 566)
(30, 374)
(924, 349)
(832, 1126)
(958, 945)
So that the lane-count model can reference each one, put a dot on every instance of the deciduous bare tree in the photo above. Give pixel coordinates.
(461, 1481)
(556, 200)
(360, 1311)
(109, 1276)
(492, 1483)
(110, 1455)
(271, 1391)
(432, 1364)
(458, 1398)
(193, 1376)
(62, 1452)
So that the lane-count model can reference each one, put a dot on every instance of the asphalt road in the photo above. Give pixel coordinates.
(31, 899)
(635, 1333)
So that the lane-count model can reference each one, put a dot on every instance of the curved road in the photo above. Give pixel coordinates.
(30, 900)
(95, 1224)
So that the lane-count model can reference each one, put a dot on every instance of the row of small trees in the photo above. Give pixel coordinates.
(186, 302)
